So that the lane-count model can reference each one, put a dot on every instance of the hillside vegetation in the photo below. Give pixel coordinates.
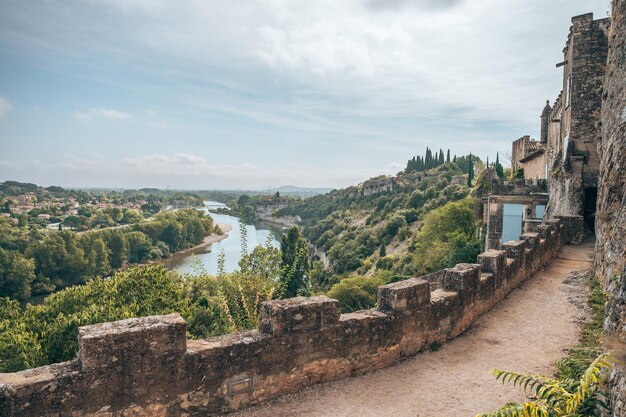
(414, 223)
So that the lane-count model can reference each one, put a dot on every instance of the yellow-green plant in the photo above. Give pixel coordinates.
(555, 397)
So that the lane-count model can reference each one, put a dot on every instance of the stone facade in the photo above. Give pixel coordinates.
(518, 151)
(529, 155)
(573, 136)
(147, 367)
(610, 259)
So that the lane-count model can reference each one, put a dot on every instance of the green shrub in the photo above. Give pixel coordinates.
(356, 293)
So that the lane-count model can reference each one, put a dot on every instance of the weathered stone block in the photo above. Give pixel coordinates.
(515, 249)
(531, 239)
(462, 278)
(492, 261)
(543, 230)
(409, 294)
(132, 343)
(299, 314)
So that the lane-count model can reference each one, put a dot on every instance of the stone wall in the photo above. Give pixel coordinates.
(575, 168)
(611, 210)
(518, 151)
(519, 187)
(147, 367)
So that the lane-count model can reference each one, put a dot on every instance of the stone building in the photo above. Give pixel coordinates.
(529, 154)
(572, 131)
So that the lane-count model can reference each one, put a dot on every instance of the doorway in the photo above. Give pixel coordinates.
(512, 216)
(591, 199)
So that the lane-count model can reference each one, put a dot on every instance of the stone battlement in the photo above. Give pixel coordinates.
(146, 366)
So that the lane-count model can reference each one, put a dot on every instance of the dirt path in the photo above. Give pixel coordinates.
(528, 331)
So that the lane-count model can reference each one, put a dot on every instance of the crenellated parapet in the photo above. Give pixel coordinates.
(147, 367)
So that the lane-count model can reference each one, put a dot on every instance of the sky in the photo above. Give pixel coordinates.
(223, 94)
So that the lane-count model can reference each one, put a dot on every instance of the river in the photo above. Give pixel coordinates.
(205, 259)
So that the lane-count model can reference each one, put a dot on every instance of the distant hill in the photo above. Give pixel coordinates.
(301, 191)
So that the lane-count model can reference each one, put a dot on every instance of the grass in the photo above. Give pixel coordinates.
(579, 358)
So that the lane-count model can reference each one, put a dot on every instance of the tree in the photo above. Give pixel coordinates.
(19, 347)
(470, 172)
(139, 246)
(448, 156)
(356, 293)
(16, 275)
(499, 167)
(131, 217)
(295, 264)
(171, 234)
(98, 258)
(553, 397)
(447, 236)
(75, 222)
(117, 247)
(22, 220)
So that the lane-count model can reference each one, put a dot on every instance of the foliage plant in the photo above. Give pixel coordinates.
(356, 293)
(555, 397)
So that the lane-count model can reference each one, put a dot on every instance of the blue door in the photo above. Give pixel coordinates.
(511, 222)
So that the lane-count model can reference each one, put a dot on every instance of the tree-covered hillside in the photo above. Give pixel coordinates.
(374, 228)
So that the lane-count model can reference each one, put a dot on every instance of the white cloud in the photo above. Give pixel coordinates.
(471, 59)
(5, 107)
(100, 113)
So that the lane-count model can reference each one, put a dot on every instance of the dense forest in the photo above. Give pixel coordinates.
(34, 261)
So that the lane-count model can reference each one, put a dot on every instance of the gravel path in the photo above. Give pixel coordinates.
(528, 331)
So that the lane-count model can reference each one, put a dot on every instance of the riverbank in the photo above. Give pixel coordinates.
(200, 247)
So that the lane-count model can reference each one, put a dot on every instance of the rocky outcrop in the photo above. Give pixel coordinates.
(611, 210)
(378, 185)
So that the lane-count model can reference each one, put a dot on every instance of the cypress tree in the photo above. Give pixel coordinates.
(499, 167)
(448, 156)
(470, 171)
(440, 156)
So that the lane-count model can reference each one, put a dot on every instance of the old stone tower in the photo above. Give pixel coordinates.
(573, 134)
